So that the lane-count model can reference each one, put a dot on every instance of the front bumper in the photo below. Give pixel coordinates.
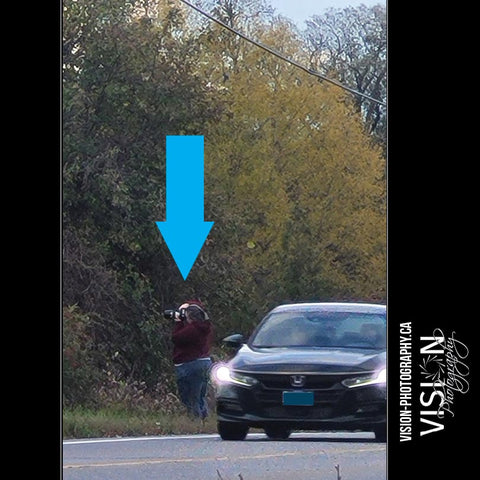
(337, 407)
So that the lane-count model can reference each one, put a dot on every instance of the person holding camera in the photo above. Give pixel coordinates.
(192, 338)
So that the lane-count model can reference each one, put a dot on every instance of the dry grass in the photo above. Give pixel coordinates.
(82, 423)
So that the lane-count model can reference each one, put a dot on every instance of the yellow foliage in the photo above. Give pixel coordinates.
(294, 162)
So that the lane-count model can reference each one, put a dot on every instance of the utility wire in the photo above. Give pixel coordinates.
(279, 55)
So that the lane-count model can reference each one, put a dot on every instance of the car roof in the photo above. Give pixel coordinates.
(332, 307)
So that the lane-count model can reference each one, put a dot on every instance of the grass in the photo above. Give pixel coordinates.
(85, 423)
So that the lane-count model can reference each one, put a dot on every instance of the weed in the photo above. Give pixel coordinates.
(111, 422)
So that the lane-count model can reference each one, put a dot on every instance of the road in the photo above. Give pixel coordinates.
(207, 457)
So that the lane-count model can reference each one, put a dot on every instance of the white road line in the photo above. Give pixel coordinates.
(137, 439)
(325, 435)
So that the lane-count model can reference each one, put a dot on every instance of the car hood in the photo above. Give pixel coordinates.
(315, 360)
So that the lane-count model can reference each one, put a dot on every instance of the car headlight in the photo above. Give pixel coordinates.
(377, 378)
(223, 374)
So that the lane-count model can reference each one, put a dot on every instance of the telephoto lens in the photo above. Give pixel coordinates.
(169, 314)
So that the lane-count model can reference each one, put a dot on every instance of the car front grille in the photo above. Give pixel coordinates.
(331, 398)
(283, 381)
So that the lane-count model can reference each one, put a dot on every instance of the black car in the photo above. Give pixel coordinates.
(307, 366)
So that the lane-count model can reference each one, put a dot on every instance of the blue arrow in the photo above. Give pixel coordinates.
(184, 230)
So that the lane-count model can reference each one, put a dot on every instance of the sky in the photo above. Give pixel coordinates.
(301, 10)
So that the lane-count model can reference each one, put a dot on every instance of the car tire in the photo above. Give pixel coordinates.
(277, 433)
(232, 431)
(381, 433)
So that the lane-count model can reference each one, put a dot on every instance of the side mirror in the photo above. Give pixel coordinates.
(235, 341)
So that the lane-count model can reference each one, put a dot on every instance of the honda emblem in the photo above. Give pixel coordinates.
(298, 380)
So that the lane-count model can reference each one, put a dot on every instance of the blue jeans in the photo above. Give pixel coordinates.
(192, 382)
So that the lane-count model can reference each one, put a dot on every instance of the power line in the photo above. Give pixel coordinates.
(282, 57)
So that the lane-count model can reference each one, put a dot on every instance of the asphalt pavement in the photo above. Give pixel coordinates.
(325, 456)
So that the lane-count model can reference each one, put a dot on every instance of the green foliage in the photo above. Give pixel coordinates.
(80, 372)
(128, 83)
(292, 181)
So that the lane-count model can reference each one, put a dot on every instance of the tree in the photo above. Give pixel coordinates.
(295, 171)
(292, 180)
(128, 82)
(352, 45)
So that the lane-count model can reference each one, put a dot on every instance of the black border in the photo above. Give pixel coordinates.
(431, 217)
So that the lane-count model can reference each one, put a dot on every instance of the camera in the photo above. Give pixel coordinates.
(175, 314)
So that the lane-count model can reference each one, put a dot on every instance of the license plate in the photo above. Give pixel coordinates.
(298, 399)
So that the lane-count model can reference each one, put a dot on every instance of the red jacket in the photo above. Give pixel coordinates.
(191, 340)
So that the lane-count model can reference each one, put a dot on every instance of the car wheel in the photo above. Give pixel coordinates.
(277, 433)
(232, 431)
(381, 433)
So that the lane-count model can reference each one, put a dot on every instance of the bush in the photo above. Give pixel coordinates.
(80, 374)
(134, 395)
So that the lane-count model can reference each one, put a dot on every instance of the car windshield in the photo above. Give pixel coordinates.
(321, 329)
